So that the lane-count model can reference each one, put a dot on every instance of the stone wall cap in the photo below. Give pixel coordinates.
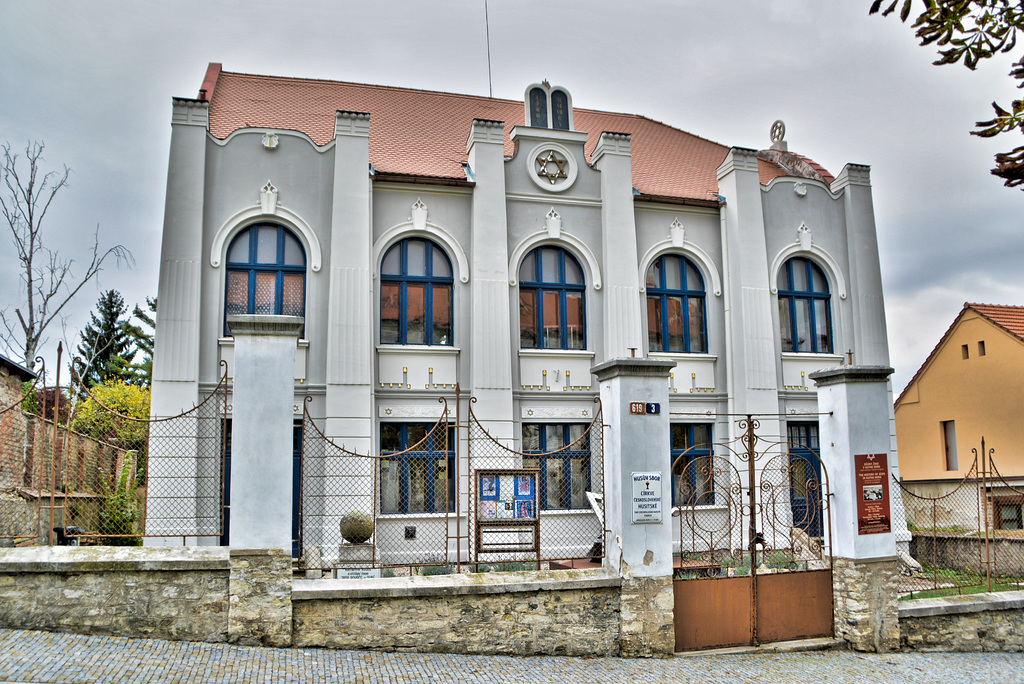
(263, 324)
(651, 368)
(448, 585)
(959, 605)
(112, 558)
(834, 376)
(257, 552)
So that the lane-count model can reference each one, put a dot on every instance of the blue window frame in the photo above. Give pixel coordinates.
(552, 301)
(417, 468)
(805, 318)
(692, 459)
(416, 294)
(676, 317)
(562, 453)
(266, 272)
(805, 476)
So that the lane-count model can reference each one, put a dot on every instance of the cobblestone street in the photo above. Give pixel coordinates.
(27, 656)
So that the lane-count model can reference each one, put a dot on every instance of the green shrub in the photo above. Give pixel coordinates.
(120, 512)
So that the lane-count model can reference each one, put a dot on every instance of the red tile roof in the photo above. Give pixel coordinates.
(421, 133)
(1009, 318)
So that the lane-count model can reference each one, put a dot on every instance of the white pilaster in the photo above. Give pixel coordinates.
(751, 343)
(176, 357)
(490, 332)
(613, 159)
(350, 336)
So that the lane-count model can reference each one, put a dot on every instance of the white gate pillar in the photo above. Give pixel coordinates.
(638, 500)
(855, 450)
(261, 431)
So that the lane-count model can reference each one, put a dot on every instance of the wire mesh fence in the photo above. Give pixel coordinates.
(543, 503)
(372, 511)
(967, 535)
(417, 506)
(74, 470)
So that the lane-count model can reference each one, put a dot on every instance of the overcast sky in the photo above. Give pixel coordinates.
(94, 80)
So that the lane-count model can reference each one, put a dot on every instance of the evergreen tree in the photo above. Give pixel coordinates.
(143, 334)
(107, 347)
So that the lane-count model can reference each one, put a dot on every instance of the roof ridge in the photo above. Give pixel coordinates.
(369, 85)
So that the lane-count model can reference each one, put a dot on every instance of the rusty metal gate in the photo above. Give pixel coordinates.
(754, 563)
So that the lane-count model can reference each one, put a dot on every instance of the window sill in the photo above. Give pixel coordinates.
(813, 356)
(440, 349)
(582, 353)
(418, 516)
(684, 356)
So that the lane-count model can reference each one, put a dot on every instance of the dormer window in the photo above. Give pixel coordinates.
(548, 107)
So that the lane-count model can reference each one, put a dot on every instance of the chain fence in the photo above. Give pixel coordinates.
(967, 535)
(74, 470)
(447, 496)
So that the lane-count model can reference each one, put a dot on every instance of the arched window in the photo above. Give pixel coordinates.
(675, 306)
(415, 294)
(551, 301)
(266, 272)
(805, 318)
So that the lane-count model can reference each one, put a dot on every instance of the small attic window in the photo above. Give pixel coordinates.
(548, 106)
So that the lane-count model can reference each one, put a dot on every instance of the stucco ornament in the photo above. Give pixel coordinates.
(270, 140)
(419, 215)
(677, 233)
(803, 236)
(553, 224)
(800, 189)
(268, 198)
(778, 131)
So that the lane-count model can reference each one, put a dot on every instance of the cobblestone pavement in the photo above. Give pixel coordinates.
(27, 656)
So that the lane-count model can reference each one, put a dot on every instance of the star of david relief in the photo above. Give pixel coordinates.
(551, 166)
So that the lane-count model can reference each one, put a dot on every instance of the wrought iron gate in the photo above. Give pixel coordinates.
(755, 560)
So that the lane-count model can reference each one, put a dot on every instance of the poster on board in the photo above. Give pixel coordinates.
(872, 493)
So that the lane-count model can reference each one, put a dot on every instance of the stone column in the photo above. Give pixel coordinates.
(636, 447)
(855, 401)
(261, 431)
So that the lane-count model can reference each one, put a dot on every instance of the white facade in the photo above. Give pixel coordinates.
(346, 217)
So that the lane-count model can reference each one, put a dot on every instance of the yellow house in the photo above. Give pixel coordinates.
(969, 388)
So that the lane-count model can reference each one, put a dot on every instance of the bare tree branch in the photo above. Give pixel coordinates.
(47, 281)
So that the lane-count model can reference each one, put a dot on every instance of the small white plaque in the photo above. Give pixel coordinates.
(357, 573)
(647, 503)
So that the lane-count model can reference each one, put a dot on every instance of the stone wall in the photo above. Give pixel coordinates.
(957, 552)
(179, 593)
(979, 622)
(565, 612)
(866, 614)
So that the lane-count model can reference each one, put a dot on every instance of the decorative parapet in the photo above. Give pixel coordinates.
(486, 131)
(738, 159)
(354, 124)
(852, 174)
(611, 143)
(186, 112)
